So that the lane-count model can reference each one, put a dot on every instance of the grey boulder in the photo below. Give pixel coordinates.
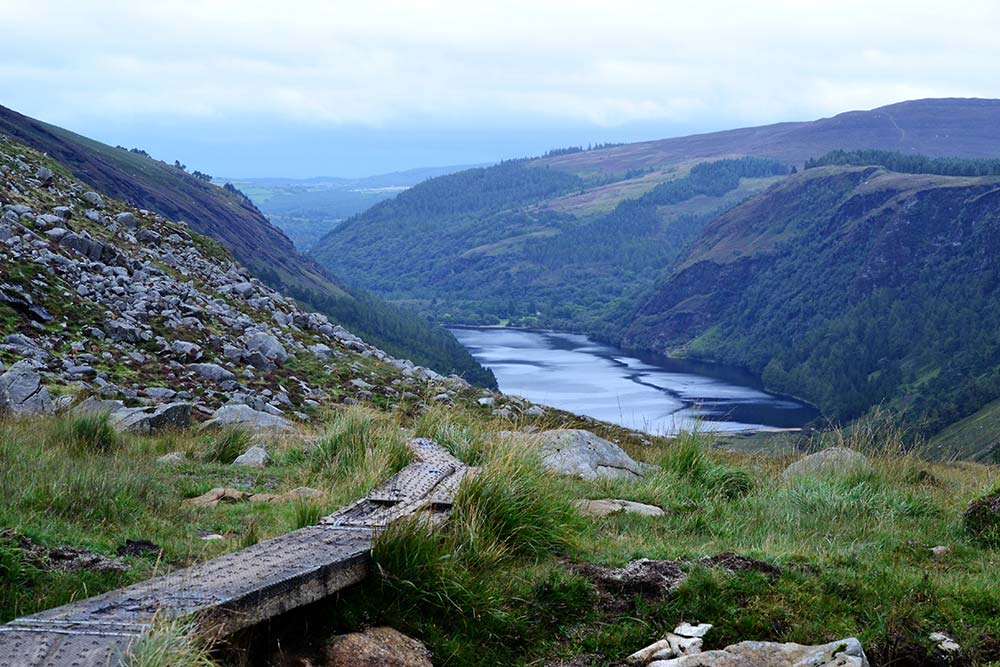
(213, 372)
(835, 460)
(22, 393)
(582, 454)
(266, 345)
(843, 653)
(151, 420)
(255, 457)
(244, 415)
(93, 199)
(607, 506)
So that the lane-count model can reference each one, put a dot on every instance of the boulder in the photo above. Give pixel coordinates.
(213, 372)
(982, 518)
(244, 415)
(255, 457)
(835, 460)
(126, 220)
(218, 495)
(582, 454)
(376, 647)
(266, 345)
(122, 332)
(22, 392)
(186, 350)
(607, 506)
(151, 420)
(93, 199)
(44, 174)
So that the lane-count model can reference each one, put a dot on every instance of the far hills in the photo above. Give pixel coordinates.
(307, 209)
(228, 216)
(865, 279)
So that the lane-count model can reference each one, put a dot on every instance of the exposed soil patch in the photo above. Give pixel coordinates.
(60, 558)
(737, 563)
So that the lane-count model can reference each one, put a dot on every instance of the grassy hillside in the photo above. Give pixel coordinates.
(469, 258)
(230, 218)
(848, 286)
(520, 244)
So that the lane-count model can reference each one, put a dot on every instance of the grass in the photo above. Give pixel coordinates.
(501, 582)
(171, 643)
(89, 433)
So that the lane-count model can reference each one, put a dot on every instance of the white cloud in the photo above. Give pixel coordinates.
(376, 64)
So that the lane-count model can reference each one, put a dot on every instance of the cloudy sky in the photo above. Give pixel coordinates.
(314, 87)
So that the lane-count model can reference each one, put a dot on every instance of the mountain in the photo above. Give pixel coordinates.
(229, 217)
(850, 286)
(307, 209)
(572, 239)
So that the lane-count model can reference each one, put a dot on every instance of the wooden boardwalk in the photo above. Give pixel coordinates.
(242, 588)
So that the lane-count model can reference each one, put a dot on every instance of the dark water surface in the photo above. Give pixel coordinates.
(655, 395)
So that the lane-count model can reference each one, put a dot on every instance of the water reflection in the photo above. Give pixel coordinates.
(659, 396)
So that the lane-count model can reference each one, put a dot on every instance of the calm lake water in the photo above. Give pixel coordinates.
(655, 395)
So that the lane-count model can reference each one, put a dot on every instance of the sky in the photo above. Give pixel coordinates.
(311, 87)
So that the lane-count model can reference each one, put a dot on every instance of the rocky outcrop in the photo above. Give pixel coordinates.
(376, 647)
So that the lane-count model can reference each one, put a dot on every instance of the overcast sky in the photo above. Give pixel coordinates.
(303, 87)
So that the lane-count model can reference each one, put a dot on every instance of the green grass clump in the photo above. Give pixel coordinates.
(87, 433)
(359, 450)
(224, 446)
(307, 513)
(688, 459)
(170, 643)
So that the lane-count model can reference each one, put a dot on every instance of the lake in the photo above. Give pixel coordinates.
(657, 395)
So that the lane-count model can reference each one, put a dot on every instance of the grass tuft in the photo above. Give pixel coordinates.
(91, 433)
(171, 643)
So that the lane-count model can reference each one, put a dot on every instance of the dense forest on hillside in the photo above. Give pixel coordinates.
(908, 164)
(848, 287)
(475, 247)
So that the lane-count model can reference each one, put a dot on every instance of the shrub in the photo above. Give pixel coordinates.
(226, 445)
(982, 519)
(92, 433)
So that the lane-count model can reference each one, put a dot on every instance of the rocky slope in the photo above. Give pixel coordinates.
(99, 298)
(228, 217)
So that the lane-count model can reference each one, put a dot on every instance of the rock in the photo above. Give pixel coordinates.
(266, 345)
(835, 460)
(299, 494)
(535, 411)
(122, 332)
(376, 647)
(582, 454)
(95, 406)
(255, 457)
(64, 212)
(126, 220)
(844, 653)
(93, 199)
(151, 420)
(244, 415)
(687, 630)
(159, 393)
(321, 350)
(171, 458)
(945, 644)
(44, 174)
(643, 655)
(487, 401)
(940, 551)
(358, 383)
(608, 506)
(22, 392)
(147, 236)
(139, 548)
(186, 350)
(218, 495)
(212, 372)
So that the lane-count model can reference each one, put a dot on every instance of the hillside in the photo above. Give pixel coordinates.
(227, 216)
(848, 286)
(575, 237)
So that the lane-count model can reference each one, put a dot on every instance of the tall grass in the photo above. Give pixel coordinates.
(359, 450)
(225, 445)
(87, 433)
(170, 643)
(688, 459)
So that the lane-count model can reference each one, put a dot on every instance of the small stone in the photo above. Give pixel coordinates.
(376, 647)
(643, 655)
(609, 506)
(940, 551)
(218, 495)
(687, 630)
(171, 458)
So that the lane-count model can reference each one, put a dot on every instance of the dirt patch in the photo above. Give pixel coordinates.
(582, 660)
(138, 548)
(652, 579)
(60, 558)
(737, 563)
